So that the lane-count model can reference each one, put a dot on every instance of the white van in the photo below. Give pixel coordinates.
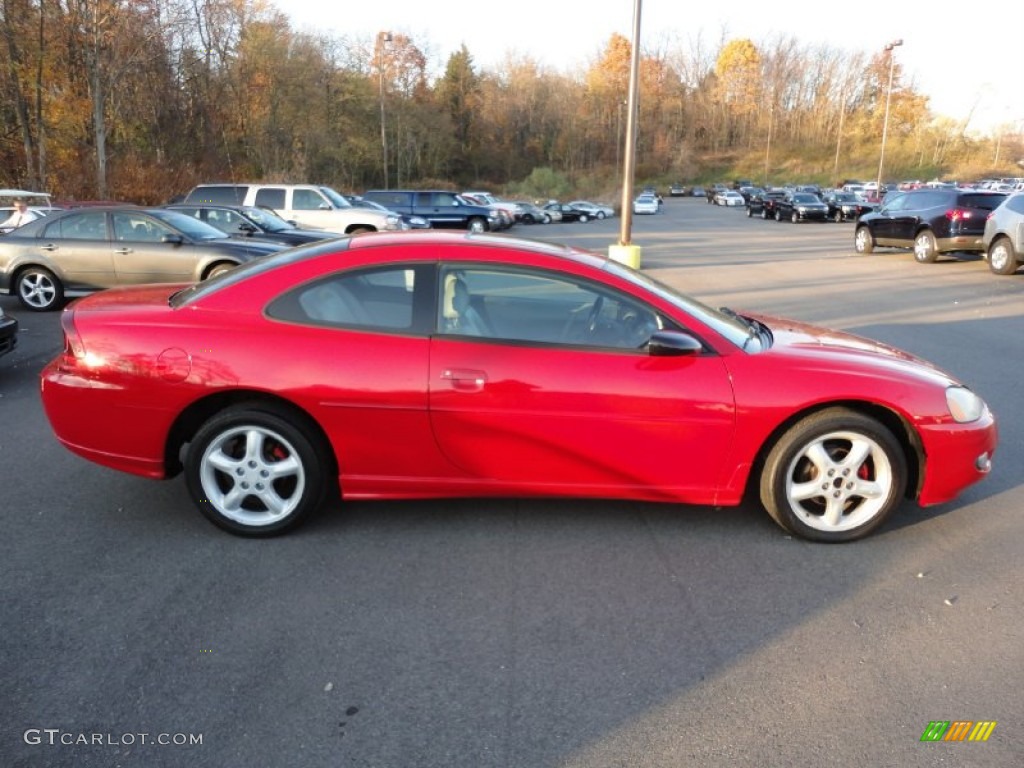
(308, 205)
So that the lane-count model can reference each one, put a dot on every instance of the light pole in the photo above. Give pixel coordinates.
(890, 48)
(382, 39)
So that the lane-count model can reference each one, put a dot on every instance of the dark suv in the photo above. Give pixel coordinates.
(930, 221)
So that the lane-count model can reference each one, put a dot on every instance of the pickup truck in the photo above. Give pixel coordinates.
(763, 205)
(440, 208)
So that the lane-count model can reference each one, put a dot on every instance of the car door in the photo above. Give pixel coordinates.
(80, 246)
(441, 208)
(361, 338)
(142, 252)
(539, 382)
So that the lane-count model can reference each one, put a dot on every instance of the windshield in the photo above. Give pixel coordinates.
(267, 219)
(729, 325)
(336, 200)
(194, 228)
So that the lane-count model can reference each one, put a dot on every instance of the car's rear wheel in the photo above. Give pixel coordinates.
(764, 213)
(39, 289)
(750, 213)
(476, 224)
(547, 219)
(1002, 258)
(253, 471)
(584, 218)
(219, 269)
(925, 249)
(863, 240)
(778, 215)
(834, 476)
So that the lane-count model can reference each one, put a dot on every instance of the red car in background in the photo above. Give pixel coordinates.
(429, 364)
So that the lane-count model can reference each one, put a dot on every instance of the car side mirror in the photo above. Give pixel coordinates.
(175, 239)
(247, 228)
(673, 344)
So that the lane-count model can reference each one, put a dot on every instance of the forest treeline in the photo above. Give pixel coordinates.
(140, 99)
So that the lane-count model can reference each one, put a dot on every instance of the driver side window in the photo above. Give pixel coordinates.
(538, 307)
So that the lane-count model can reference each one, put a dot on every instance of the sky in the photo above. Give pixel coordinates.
(964, 58)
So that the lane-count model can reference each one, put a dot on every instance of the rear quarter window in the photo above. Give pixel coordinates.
(218, 194)
(984, 202)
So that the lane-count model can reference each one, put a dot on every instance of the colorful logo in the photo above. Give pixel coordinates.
(958, 730)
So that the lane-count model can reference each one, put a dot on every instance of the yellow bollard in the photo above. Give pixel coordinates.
(625, 254)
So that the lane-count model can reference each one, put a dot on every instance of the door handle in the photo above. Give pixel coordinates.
(48, 247)
(465, 379)
(123, 251)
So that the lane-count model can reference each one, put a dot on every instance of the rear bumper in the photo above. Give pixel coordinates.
(97, 422)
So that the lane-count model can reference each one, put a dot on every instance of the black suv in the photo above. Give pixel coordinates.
(930, 221)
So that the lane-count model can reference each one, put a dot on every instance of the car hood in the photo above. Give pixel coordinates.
(825, 349)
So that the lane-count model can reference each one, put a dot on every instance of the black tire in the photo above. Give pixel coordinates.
(1002, 257)
(925, 249)
(584, 218)
(834, 476)
(39, 290)
(218, 269)
(750, 213)
(838, 216)
(778, 215)
(764, 214)
(794, 217)
(863, 240)
(233, 494)
(476, 224)
(600, 215)
(547, 218)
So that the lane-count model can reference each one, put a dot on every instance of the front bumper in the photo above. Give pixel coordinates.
(955, 457)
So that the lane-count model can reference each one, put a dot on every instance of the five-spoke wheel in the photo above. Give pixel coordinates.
(834, 476)
(251, 470)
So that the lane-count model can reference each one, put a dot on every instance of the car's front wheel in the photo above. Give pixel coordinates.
(778, 215)
(795, 217)
(476, 224)
(750, 213)
(600, 214)
(838, 216)
(925, 249)
(253, 471)
(1002, 258)
(39, 289)
(863, 240)
(834, 476)
(764, 213)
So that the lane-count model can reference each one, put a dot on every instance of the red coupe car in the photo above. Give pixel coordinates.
(431, 364)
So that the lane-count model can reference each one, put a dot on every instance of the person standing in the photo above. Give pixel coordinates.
(21, 215)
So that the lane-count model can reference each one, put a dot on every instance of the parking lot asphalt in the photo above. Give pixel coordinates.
(534, 633)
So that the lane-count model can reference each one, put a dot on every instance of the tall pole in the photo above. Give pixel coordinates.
(768, 149)
(382, 39)
(885, 124)
(625, 232)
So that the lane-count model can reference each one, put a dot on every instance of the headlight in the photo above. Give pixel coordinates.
(392, 222)
(418, 221)
(964, 406)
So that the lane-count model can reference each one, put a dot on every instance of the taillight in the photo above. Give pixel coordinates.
(74, 348)
(958, 214)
